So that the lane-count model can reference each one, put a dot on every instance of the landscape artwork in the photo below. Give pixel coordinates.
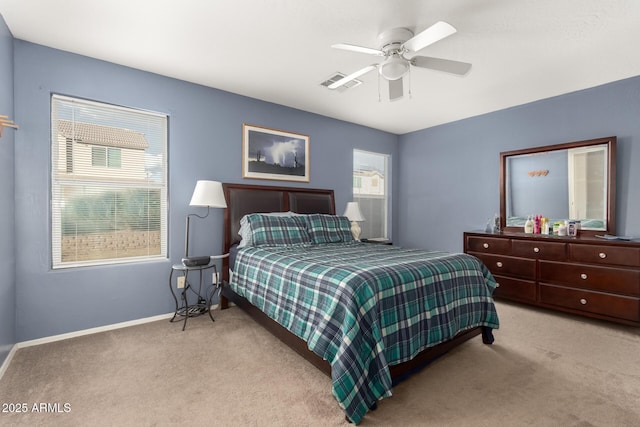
(274, 154)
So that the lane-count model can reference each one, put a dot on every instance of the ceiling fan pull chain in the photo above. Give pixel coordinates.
(379, 96)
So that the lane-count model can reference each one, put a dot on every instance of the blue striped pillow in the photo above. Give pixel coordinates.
(267, 230)
(329, 228)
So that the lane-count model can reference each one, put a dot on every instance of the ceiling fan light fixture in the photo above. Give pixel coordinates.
(394, 68)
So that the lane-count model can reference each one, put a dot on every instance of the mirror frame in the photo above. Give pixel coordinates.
(611, 179)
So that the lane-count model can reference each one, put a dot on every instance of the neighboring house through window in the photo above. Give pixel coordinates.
(109, 183)
(370, 190)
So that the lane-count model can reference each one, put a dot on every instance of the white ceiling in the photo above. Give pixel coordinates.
(279, 50)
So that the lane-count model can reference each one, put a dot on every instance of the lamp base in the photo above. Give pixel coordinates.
(196, 261)
(355, 230)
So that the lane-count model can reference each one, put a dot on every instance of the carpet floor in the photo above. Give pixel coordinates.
(544, 369)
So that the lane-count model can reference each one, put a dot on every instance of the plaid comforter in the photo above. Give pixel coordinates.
(364, 307)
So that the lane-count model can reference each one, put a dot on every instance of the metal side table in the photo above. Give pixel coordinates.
(203, 294)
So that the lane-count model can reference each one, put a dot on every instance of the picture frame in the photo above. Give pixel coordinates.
(274, 154)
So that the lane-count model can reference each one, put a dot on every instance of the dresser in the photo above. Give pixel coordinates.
(587, 276)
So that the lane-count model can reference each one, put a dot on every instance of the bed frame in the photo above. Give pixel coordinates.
(243, 199)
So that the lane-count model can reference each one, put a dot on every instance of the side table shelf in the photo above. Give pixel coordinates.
(202, 294)
(377, 241)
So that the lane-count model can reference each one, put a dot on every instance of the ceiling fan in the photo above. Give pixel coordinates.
(398, 46)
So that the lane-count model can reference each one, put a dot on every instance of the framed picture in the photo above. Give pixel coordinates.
(274, 154)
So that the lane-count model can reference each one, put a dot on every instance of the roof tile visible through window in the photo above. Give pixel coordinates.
(89, 133)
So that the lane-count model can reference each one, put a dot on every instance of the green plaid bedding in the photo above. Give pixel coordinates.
(329, 228)
(268, 230)
(364, 307)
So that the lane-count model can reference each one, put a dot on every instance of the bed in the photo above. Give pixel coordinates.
(367, 315)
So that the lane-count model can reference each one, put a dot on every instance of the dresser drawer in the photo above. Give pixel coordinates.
(605, 255)
(620, 307)
(489, 245)
(509, 266)
(539, 250)
(516, 289)
(610, 279)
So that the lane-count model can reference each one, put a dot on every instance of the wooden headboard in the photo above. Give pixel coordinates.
(243, 199)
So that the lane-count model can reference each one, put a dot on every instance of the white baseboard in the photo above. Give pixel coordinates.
(7, 360)
(83, 332)
(90, 331)
(53, 338)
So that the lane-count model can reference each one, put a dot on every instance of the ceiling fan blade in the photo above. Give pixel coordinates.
(396, 91)
(359, 49)
(434, 33)
(352, 76)
(446, 65)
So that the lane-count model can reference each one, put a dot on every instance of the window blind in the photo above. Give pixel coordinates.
(108, 183)
(371, 191)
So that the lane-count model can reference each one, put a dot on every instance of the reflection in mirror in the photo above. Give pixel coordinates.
(560, 184)
(587, 179)
(573, 181)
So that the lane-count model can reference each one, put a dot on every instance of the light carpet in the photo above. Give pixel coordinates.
(544, 369)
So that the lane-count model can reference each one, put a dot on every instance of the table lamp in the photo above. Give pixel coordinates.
(209, 194)
(353, 213)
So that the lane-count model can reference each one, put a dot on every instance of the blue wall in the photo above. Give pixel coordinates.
(449, 174)
(445, 178)
(7, 239)
(204, 143)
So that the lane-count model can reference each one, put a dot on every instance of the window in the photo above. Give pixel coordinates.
(370, 190)
(108, 183)
(357, 182)
(587, 172)
(105, 157)
(69, 155)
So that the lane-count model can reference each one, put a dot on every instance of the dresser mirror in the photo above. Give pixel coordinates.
(571, 181)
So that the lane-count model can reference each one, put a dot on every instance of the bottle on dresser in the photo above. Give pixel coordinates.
(528, 226)
(536, 224)
(544, 225)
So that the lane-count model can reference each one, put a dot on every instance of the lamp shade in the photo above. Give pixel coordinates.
(208, 193)
(353, 212)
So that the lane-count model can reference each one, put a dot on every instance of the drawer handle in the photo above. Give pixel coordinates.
(583, 301)
(583, 276)
(497, 285)
(499, 264)
(536, 250)
(602, 255)
(485, 245)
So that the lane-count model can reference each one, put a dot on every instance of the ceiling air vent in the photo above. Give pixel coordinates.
(337, 76)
